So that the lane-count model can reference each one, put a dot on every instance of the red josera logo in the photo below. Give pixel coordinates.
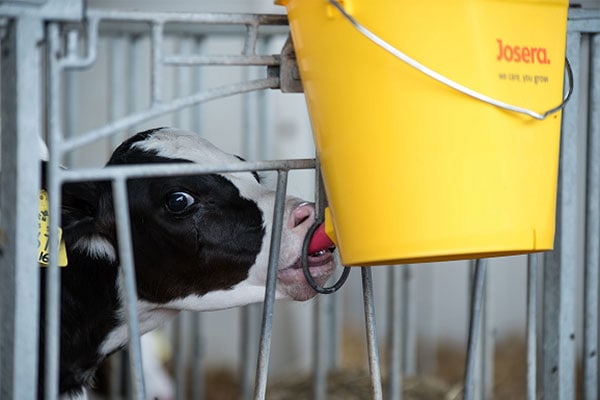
(522, 54)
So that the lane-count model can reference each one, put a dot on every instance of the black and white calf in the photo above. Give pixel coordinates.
(200, 243)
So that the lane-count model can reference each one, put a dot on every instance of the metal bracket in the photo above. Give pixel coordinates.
(63, 10)
(288, 72)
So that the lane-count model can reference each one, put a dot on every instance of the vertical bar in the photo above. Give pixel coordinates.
(197, 357)
(532, 266)
(321, 342)
(182, 80)
(250, 39)
(198, 388)
(477, 299)
(264, 352)
(196, 114)
(52, 300)
(20, 182)
(320, 345)
(558, 375)
(486, 356)
(134, 57)
(409, 322)
(592, 242)
(394, 333)
(251, 313)
(373, 351)
(71, 111)
(127, 282)
(265, 139)
(251, 117)
(157, 52)
(117, 81)
(249, 338)
(180, 357)
(181, 84)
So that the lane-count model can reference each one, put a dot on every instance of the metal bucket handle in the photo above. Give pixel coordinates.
(448, 82)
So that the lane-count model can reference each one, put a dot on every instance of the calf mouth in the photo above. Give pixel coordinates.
(321, 266)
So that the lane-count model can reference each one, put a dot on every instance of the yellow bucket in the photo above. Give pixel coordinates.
(418, 165)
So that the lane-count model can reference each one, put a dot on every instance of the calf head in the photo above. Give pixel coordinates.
(200, 242)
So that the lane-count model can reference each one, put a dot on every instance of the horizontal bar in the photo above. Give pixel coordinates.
(204, 18)
(584, 20)
(225, 60)
(167, 107)
(140, 28)
(176, 169)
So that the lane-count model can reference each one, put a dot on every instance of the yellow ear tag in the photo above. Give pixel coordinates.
(44, 237)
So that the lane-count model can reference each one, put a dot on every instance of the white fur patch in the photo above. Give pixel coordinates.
(79, 396)
(97, 247)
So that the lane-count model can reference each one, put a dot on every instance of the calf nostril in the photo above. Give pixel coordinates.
(303, 213)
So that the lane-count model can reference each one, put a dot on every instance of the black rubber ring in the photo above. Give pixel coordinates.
(323, 290)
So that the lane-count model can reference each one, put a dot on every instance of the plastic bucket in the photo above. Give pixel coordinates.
(414, 169)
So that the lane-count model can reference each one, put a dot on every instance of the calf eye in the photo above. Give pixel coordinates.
(177, 202)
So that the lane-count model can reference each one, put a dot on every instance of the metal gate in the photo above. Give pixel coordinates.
(44, 43)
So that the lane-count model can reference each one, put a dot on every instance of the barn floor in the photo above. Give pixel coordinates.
(352, 381)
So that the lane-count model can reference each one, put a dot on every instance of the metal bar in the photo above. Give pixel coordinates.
(197, 358)
(157, 59)
(249, 338)
(251, 313)
(409, 322)
(174, 169)
(477, 299)
(71, 111)
(250, 39)
(334, 328)
(128, 286)
(222, 59)
(592, 241)
(372, 348)
(168, 107)
(196, 114)
(72, 59)
(52, 300)
(532, 267)
(198, 389)
(265, 140)
(394, 333)
(20, 179)
(260, 388)
(179, 334)
(117, 78)
(181, 80)
(251, 117)
(200, 18)
(134, 57)
(325, 333)
(488, 341)
(181, 86)
(558, 375)
(320, 345)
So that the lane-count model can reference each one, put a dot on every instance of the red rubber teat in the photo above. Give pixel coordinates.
(320, 241)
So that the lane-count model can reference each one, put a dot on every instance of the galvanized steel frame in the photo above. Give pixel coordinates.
(24, 28)
(560, 292)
